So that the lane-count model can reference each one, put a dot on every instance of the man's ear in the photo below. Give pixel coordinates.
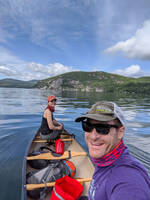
(121, 132)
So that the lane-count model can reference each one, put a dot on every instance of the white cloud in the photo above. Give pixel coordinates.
(7, 71)
(113, 24)
(137, 47)
(133, 71)
(13, 67)
(40, 71)
(31, 71)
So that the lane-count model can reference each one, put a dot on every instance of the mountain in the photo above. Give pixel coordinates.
(13, 83)
(95, 81)
(87, 82)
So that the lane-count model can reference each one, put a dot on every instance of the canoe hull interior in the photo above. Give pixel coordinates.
(83, 164)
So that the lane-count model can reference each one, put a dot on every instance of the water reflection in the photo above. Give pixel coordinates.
(16, 103)
(20, 116)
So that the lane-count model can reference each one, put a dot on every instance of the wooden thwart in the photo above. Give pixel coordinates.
(36, 186)
(64, 133)
(44, 141)
(49, 156)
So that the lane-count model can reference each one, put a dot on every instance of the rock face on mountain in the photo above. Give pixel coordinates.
(53, 84)
(73, 81)
(94, 81)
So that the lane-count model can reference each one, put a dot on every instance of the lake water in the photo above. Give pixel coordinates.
(20, 116)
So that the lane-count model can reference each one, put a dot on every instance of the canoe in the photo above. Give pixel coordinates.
(73, 152)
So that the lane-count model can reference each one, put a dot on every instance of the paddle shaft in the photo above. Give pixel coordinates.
(36, 186)
(61, 136)
(49, 156)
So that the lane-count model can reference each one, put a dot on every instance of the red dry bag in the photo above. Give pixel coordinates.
(66, 188)
(59, 146)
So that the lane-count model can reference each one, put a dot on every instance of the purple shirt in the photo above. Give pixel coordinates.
(125, 179)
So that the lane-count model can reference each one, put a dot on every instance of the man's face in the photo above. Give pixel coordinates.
(99, 144)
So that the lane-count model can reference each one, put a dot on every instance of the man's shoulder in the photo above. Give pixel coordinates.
(126, 159)
(127, 168)
(128, 163)
(128, 177)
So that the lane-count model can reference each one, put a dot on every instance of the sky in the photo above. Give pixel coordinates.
(44, 38)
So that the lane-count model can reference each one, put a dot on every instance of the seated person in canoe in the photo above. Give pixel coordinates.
(50, 128)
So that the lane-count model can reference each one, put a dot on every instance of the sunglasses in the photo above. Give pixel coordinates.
(54, 100)
(100, 128)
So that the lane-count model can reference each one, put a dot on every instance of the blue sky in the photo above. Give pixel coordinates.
(44, 38)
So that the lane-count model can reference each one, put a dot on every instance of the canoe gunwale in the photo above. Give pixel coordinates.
(24, 191)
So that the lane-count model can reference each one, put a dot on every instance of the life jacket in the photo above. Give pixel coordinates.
(44, 129)
(71, 167)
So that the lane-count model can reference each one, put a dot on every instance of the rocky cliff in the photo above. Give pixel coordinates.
(94, 81)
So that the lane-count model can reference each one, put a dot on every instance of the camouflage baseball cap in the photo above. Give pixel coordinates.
(104, 111)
